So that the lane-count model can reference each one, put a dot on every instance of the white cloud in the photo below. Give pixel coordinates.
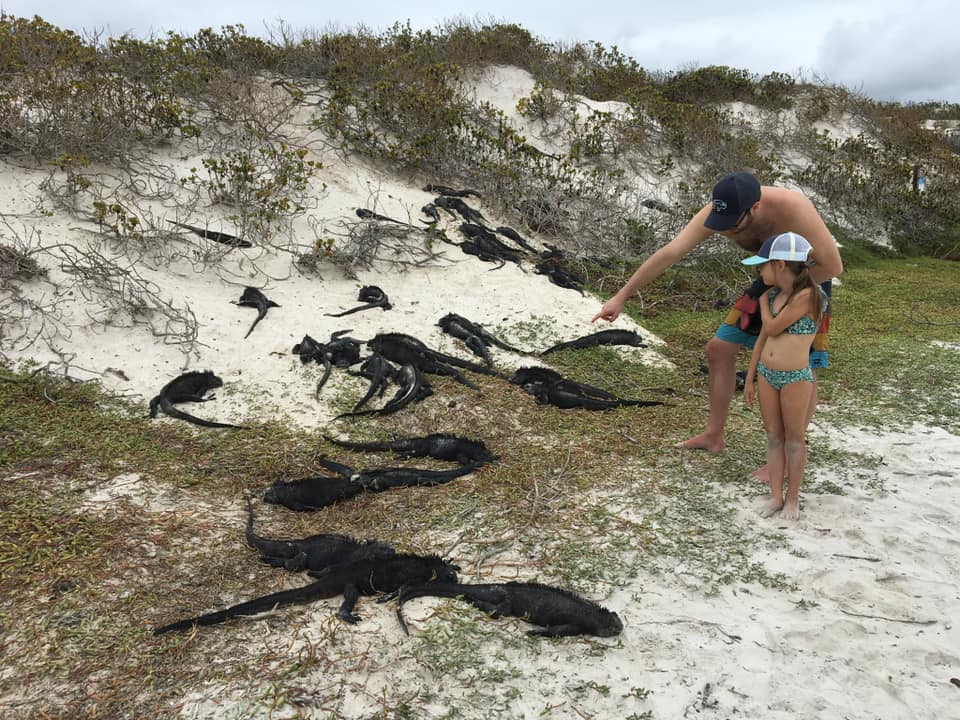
(907, 54)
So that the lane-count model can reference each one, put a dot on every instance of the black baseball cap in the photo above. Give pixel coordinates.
(733, 196)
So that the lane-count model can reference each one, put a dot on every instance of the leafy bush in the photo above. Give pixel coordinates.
(712, 84)
(867, 185)
(264, 186)
(600, 73)
(65, 96)
(721, 84)
(477, 45)
(541, 104)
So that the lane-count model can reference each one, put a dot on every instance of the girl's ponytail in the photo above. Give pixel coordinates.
(803, 281)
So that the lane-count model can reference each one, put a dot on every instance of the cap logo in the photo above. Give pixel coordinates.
(719, 205)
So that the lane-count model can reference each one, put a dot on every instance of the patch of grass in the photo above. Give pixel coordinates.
(887, 316)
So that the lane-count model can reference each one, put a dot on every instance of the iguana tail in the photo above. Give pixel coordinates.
(174, 412)
(433, 589)
(298, 596)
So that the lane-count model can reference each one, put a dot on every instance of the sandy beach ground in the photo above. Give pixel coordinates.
(866, 629)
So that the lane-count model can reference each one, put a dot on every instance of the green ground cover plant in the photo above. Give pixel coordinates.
(578, 495)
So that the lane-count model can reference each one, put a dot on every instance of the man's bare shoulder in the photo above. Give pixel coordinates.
(784, 197)
(792, 210)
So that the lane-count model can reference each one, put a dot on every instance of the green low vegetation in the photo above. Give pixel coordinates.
(582, 499)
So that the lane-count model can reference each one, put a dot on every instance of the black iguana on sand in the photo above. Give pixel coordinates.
(192, 386)
(362, 577)
(558, 612)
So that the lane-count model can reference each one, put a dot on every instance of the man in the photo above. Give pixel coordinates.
(748, 214)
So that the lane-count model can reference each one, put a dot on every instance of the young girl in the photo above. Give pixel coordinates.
(791, 312)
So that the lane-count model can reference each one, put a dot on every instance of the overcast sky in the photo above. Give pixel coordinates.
(905, 50)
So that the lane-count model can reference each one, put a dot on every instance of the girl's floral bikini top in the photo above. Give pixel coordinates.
(804, 326)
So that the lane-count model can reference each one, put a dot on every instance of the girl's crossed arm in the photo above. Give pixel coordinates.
(797, 306)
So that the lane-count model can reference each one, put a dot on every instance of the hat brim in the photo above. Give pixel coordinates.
(720, 223)
(755, 260)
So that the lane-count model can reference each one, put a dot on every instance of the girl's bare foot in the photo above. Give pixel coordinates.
(703, 441)
(771, 507)
(791, 510)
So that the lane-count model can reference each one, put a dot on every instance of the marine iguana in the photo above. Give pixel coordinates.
(413, 388)
(407, 350)
(372, 296)
(340, 351)
(455, 324)
(430, 210)
(309, 350)
(440, 446)
(365, 214)
(536, 375)
(191, 386)
(531, 377)
(362, 577)
(552, 252)
(471, 247)
(559, 612)
(220, 237)
(378, 479)
(568, 395)
(475, 344)
(314, 552)
(252, 297)
(474, 231)
(509, 232)
(551, 388)
(560, 276)
(456, 205)
(486, 242)
(434, 367)
(449, 191)
(311, 493)
(379, 371)
(604, 337)
(402, 348)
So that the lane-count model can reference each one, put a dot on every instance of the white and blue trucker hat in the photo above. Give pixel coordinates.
(787, 246)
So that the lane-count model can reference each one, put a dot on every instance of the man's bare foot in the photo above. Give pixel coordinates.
(791, 510)
(771, 507)
(703, 441)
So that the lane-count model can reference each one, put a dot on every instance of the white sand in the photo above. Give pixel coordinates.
(868, 633)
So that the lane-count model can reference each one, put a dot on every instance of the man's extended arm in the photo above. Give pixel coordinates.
(653, 267)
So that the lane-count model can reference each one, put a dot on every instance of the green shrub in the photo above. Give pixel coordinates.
(468, 45)
(712, 84)
(264, 186)
(63, 96)
(543, 104)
